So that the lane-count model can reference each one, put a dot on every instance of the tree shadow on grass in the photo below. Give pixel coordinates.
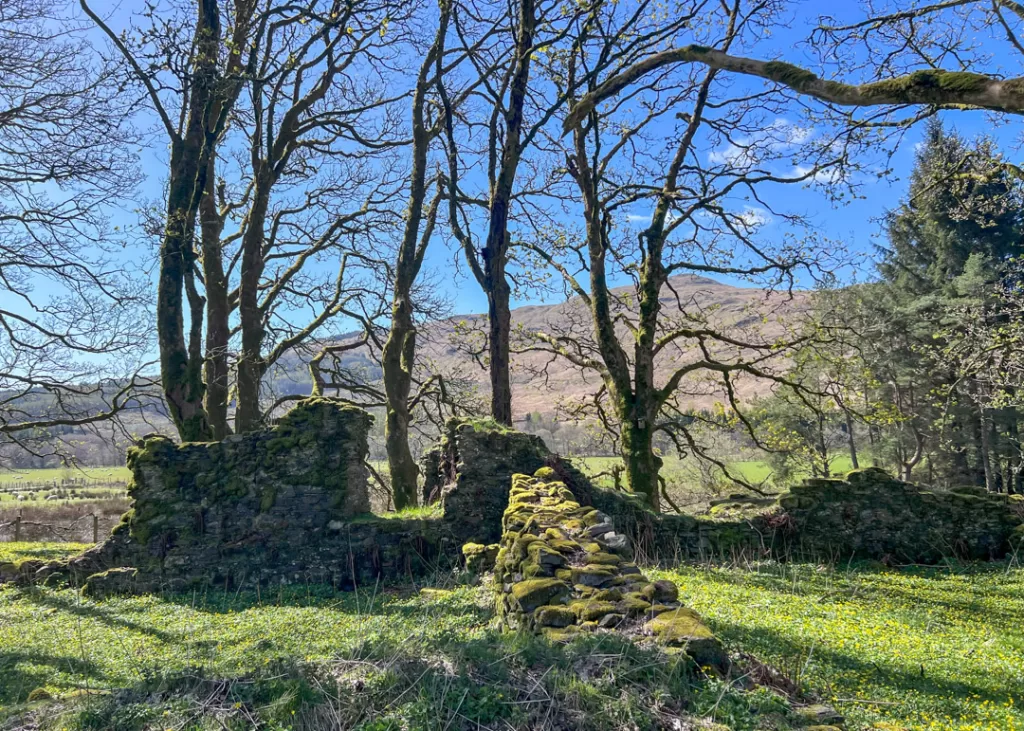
(770, 644)
(17, 680)
(998, 607)
(70, 602)
(391, 599)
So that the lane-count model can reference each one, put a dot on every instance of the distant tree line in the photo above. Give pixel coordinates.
(916, 371)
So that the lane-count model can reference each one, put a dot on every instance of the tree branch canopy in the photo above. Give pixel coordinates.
(927, 86)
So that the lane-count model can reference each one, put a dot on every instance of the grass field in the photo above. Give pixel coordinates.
(918, 648)
(936, 648)
(681, 480)
(14, 478)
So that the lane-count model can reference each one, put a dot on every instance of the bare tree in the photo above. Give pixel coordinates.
(191, 76)
(650, 149)
(399, 350)
(513, 111)
(70, 313)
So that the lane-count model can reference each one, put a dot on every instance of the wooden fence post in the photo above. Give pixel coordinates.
(17, 529)
(95, 528)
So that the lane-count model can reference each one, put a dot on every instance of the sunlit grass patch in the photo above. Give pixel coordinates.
(918, 648)
(15, 552)
(315, 658)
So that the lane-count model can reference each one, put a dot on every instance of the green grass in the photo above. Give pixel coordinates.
(313, 658)
(753, 471)
(13, 478)
(919, 648)
(13, 552)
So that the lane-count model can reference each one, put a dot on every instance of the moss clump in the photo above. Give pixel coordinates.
(546, 473)
(591, 575)
(787, 73)
(554, 616)
(560, 634)
(534, 593)
(39, 694)
(591, 610)
(479, 558)
(608, 559)
(681, 625)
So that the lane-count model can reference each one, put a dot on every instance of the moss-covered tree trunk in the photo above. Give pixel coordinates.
(180, 375)
(642, 463)
(218, 310)
(399, 352)
(250, 368)
(397, 362)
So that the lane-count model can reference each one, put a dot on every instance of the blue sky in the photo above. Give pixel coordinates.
(854, 222)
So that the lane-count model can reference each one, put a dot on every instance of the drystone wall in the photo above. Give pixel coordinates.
(868, 514)
(562, 569)
(871, 514)
(471, 472)
(288, 504)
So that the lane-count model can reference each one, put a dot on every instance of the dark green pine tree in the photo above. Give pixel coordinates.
(962, 201)
(962, 223)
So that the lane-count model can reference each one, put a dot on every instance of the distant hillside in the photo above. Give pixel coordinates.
(539, 382)
(748, 313)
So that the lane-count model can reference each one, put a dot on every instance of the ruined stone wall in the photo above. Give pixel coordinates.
(472, 471)
(872, 514)
(562, 569)
(672, 538)
(868, 514)
(287, 504)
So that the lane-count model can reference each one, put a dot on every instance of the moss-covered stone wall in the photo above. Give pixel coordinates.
(871, 514)
(287, 504)
(562, 569)
(472, 471)
(868, 514)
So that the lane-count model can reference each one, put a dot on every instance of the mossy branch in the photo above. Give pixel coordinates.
(929, 86)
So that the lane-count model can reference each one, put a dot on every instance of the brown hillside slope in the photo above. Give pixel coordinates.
(540, 382)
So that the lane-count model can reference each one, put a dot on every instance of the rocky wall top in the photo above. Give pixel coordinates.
(562, 569)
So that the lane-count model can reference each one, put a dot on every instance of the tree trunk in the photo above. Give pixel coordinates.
(985, 431)
(398, 355)
(397, 361)
(851, 440)
(642, 464)
(218, 311)
(495, 251)
(181, 376)
(1013, 487)
(499, 318)
(250, 368)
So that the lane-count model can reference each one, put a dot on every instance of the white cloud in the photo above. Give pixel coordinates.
(754, 218)
(779, 137)
(825, 175)
(736, 156)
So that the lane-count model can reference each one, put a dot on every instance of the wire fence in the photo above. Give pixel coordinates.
(86, 528)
